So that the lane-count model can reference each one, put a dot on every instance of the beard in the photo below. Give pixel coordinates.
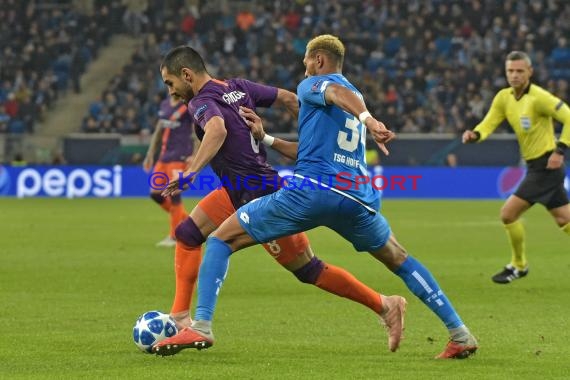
(187, 94)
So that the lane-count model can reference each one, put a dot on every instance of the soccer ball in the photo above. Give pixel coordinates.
(152, 327)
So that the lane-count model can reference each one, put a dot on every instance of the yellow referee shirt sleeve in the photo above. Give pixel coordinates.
(552, 106)
(494, 117)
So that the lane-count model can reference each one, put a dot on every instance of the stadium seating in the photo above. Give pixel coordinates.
(451, 53)
(46, 46)
(427, 42)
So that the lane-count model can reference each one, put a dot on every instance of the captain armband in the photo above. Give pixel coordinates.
(561, 148)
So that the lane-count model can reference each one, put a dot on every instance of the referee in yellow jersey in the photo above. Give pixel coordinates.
(529, 109)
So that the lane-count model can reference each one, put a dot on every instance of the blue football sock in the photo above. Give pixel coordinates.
(420, 281)
(212, 274)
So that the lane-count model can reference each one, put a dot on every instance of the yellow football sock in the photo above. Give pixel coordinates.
(516, 234)
(566, 228)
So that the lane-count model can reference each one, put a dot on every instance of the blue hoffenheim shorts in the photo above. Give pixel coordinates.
(287, 212)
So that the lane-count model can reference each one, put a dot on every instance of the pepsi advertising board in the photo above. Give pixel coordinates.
(131, 181)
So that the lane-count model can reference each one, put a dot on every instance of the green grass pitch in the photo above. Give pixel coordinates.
(75, 274)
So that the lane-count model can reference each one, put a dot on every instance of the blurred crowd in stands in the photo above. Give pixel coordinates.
(423, 65)
(45, 47)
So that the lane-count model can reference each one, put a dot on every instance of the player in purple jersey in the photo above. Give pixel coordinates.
(173, 133)
(227, 144)
(240, 155)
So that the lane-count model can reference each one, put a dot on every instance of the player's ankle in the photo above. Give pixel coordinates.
(180, 314)
(383, 302)
(182, 319)
(459, 334)
(202, 326)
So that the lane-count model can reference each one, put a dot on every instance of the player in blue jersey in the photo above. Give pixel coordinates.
(332, 124)
(229, 147)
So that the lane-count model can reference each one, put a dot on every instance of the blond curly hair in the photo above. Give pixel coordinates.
(329, 44)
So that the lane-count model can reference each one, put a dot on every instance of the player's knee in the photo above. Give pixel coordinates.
(176, 199)
(392, 255)
(157, 197)
(310, 272)
(188, 233)
(507, 217)
(561, 221)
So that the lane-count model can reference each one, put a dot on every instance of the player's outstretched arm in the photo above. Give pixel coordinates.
(288, 100)
(347, 100)
(253, 121)
(214, 136)
(148, 162)
(494, 117)
(195, 146)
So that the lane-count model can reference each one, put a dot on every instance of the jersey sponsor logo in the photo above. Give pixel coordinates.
(347, 160)
(525, 123)
(200, 111)
(169, 124)
(234, 96)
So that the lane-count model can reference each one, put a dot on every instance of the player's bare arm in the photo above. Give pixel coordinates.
(288, 100)
(253, 121)
(196, 144)
(214, 136)
(148, 162)
(350, 102)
